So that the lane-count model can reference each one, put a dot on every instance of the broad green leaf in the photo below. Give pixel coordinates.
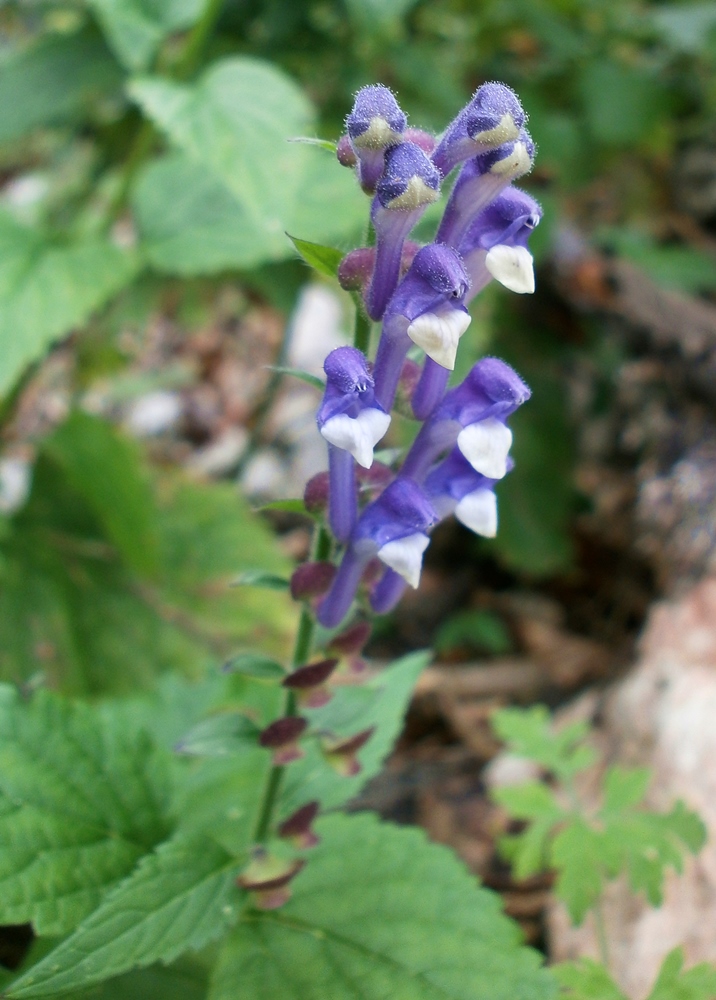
(380, 912)
(314, 380)
(54, 80)
(106, 469)
(255, 665)
(183, 980)
(258, 578)
(82, 798)
(325, 260)
(697, 983)
(578, 855)
(380, 702)
(587, 980)
(180, 899)
(135, 28)
(46, 291)
(219, 736)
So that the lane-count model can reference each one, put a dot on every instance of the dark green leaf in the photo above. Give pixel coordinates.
(325, 260)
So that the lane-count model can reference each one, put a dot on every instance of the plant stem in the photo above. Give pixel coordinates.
(197, 39)
(363, 326)
(601, 927)
(321, 549)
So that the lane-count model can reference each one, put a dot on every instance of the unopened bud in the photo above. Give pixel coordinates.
(309, 683)
(282, 737)
(409, 378)
(351, 640)
(376, 477)
(315, 495)
(311, 579)
(418, 137)
(341, 753)
(356, 268)
(267, 878)
(345, 153)
(297, 828)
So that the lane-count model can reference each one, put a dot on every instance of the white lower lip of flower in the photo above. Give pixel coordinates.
(512, 267)
(406, 556)
(486, 445)
(378, 135)
(358, 435)
(416, 194)
(515, 164)
(478, 512)
(504, 131)
(439, 334)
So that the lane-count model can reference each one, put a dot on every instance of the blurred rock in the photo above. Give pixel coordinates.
(155, 413)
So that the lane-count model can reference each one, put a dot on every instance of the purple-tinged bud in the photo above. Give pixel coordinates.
(418, 137)
(495, 245)
(282, 737)
(351, 640)
(297, 828)
(479, 182)
(409, 184)
(409, 378)
(267, 878)
(377, 477)
(311, 579)
(342, 753)
(356, 268)
(493, 116)
(427, 309)
(309, 683)
(315, 495)
(375, 123)
(345, 154)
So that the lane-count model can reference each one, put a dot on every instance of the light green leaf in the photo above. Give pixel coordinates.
(179, 899)
(529, 733)
(587, 980)
(46, 291)
(380, 912)
(314, 380)
(135, 28)
(685, 26)
(533, 800)
(292, 506)
(380, 702)
(54, 80)
(624, 787)
(698, 983)
(325, 260)
(82, 798)
(578, 855)
(255, 665)
(219, 736)
(258, 578)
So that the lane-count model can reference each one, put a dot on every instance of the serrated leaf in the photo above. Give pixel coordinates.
(307, 377)
(255, 665)
(180, 898)
(624, 787)
(46, 291)
(527, 852)
(82, 798)
(381, 703)
(380, 912)
(325, 260)
(53, 80)
(532, 800)
(578, 855)
(697, 983)
(529, 733)
(219, 736)
(586, 980)
(135, 28)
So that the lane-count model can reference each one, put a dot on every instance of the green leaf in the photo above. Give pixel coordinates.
(257, 578)
(314, 380)
(698, 983)
(474, 629)
(54, 80)
(380, 912)
(255, 665)
(82, 798)
(292, 506)
(529, 733)
(180, 898)
(587, 980)
(685, 26)
(380, 702)
(219, 736)
(183, 980)
(622, 104)
(135, 28)
(326, 144)
(533, 800)
(46, 291)
(624, 787)
(106, 469)
(578, 855)
(325, 260)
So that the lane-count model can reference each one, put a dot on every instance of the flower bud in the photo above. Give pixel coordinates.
(311, 579)
(315, 495)
(341, 753)
(267, 877)
(356, 268)
(297, 828)
(282, 737)
(351, 640)
(345, 153)
(418, 137)
(309, 683)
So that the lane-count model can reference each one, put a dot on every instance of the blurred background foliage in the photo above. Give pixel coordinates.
(144, 165)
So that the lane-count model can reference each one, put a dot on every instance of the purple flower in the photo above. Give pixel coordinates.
(393, 528)
(495, 245)
(427, 309)
(493, 116)
(352, 422)
(454, 487)
(480, 181)
(375, 123)
(408, 185)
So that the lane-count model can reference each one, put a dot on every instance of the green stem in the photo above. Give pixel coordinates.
(363, 327)
(601, 927)
(321, 549)
(197, 39)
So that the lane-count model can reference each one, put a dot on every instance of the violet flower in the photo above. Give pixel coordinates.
(408, 185)
(493, 116)
(454, 487)
(427, 309)
(375, 123)
(471, 416)
(352, 422)
(393, 528)
(480, 181)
